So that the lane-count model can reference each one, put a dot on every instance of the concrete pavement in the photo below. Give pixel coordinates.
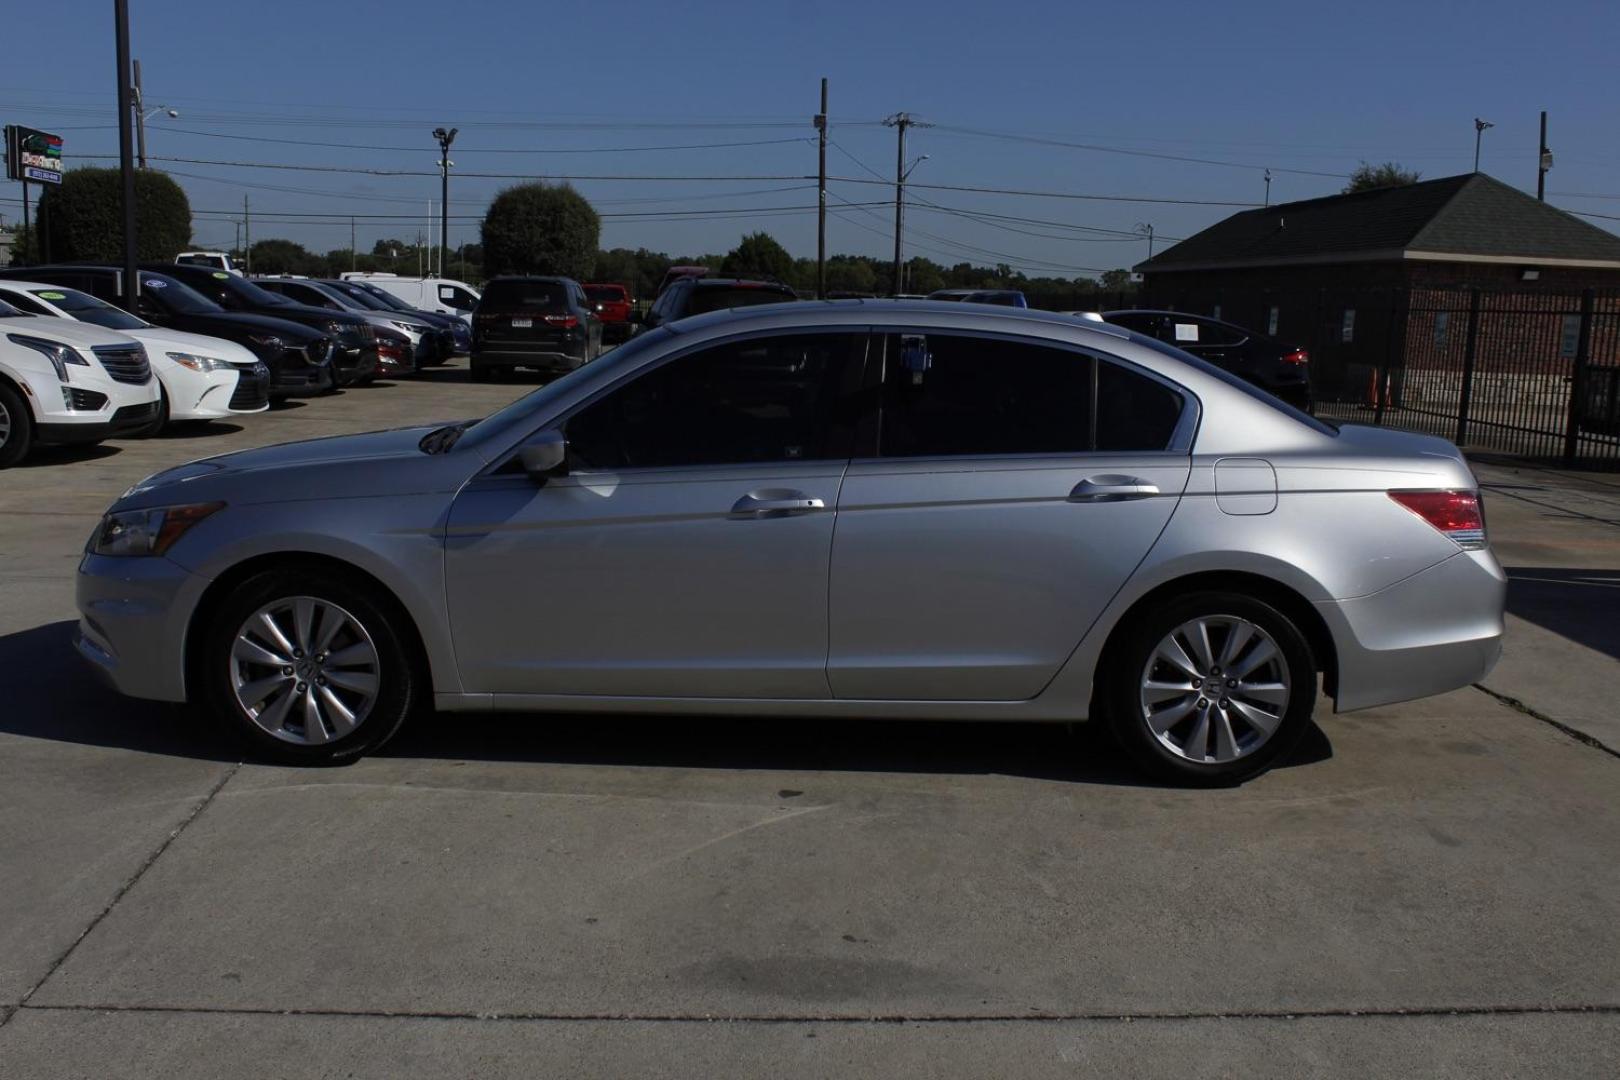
(1427, 889)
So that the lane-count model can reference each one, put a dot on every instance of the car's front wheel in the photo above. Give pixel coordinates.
(1210, 688)
(308, 667)
(16, 427)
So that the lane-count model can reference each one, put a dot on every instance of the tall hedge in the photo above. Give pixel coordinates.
(541, 229)
(83, 216)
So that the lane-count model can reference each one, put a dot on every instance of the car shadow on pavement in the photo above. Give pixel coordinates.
(60, 700)
(1581, 605)
(47, 456)
(207, 429)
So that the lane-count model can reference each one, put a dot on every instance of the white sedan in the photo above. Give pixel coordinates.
(203, 378)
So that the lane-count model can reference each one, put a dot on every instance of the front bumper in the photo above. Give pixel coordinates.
(123, 421)
(352, 363)
(133, 615)
(1436, 631)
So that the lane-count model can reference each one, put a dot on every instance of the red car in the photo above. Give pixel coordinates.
(613, 306)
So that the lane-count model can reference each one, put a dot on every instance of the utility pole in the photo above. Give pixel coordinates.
(247, 238)
(1146, 229)
(445, 139)
(1544, 162)
(354, 256)
(126, 157)
(140, 119)
(1268, 187)
(1479, 129)
(821, 205)
(901, 121)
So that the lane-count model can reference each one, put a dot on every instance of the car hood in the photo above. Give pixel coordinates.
(236, 322)
(337, 467)
(67, 331)
(159, 340)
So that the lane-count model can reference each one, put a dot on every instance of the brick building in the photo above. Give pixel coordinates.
(1385, 279)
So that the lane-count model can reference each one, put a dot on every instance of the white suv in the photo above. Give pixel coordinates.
(203, 378)
(65, 382)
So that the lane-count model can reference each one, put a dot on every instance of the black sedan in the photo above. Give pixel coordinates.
(1277, 366)
(354, 348)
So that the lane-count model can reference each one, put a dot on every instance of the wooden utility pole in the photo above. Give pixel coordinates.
(821, 205)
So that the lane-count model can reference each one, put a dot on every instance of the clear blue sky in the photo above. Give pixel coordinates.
(1296, 86)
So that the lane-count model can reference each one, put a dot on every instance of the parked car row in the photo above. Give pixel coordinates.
(201, 344)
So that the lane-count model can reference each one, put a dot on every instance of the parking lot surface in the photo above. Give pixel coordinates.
(1428, 889)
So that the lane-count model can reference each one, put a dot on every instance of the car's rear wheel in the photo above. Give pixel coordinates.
(479, 373)
(16, 427)
(1212, 688)
(308, 667)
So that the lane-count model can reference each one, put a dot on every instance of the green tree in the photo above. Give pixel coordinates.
(758, 255)
(1115, 280)
(1389, 174)
(850, 273)
(541, 229)
(923, 275)
(273, 256)
(83, 216)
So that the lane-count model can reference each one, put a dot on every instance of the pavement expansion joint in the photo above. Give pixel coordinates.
(1574, 733)
(123, 890)
(1423, 1012)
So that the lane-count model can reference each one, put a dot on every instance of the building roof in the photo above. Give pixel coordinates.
(1467, 218)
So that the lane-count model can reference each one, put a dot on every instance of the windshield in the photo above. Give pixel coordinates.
(177, 296)
(86, 308)
(249, 293)
(525, 295)
(358, 295)
(515, 415)
(742, 296)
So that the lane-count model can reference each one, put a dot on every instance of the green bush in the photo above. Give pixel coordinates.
(83, 216)
(541, 229)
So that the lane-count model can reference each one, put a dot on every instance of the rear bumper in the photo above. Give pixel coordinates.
(1436, 631)
(540, 355)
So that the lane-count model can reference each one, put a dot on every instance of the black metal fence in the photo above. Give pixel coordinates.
(1524, 372)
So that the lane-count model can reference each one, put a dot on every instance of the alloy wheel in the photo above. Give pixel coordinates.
(305, 670)
(1215, 689)
(5, 424)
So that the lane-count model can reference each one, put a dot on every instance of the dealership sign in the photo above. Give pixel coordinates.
(33, 155)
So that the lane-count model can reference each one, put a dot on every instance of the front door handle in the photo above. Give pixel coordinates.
(775, 503)
(1112, 489)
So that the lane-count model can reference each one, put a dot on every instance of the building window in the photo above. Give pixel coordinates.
(1442, 320)
(1347, 332)
(1271, 321)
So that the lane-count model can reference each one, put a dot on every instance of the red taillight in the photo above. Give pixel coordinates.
(1298, 356)
(567, 322)
(1458, 514)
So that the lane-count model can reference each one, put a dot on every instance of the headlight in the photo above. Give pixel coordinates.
(58, 354)
(198, 363)
(405, 327)
(268, 341)
(337, 329)
(148, 532)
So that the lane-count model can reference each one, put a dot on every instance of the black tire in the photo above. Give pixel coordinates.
(1128, 667)
(18, 426)
(400, 685)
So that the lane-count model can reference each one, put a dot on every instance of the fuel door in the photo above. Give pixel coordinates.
(1245, 486)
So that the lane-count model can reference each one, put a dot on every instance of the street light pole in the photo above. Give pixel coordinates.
(1544, 162)
(1479, 129)
(821, 205)
(126, 162)
(445, 139)
(901, 121)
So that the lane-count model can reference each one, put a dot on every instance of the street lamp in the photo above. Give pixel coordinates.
(1479, 129)
(143, 114)
(899, 218)
(445, 138)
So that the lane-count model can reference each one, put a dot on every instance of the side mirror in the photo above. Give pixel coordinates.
(545, 456)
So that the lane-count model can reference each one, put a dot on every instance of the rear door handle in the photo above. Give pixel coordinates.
(1112, 489)
(775, 503)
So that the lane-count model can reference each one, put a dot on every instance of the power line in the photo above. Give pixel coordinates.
(1094, 147)
(480, 150)
(1049, 194)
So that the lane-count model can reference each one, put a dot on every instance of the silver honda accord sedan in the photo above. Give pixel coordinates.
(854, 508)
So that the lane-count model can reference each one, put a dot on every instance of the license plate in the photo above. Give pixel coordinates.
(522, 324)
